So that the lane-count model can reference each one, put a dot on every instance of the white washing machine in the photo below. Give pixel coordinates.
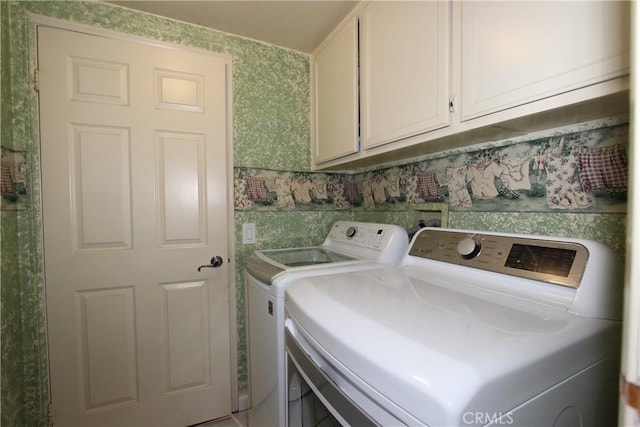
(472, 329)
(349, 246)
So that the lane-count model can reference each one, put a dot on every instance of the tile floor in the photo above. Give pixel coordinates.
(235, 420)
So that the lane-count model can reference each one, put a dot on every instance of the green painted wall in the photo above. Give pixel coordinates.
(271, 130)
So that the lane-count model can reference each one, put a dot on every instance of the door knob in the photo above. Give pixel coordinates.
(215, 262)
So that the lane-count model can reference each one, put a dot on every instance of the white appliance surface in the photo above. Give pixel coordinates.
(348, 243)
(439, 343)
(349, 246)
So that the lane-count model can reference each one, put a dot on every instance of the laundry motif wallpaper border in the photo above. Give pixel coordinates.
(581, 171)
(13, 180)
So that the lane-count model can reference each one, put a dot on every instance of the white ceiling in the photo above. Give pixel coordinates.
(296, 24)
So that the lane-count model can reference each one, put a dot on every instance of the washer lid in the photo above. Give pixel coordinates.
(300, 257)
(438, 348)
(267, 265)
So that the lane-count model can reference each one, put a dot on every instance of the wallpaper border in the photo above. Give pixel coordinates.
(575, 169)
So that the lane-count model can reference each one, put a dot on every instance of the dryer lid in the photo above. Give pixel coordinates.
(437, 349)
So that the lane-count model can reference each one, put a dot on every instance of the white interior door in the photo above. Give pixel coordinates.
(133, 141)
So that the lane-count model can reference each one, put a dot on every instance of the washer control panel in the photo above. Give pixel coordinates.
(548, 260)
(362, 234)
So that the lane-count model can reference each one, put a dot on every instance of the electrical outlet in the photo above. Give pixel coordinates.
(248, 234)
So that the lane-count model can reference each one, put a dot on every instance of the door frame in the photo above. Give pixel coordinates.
(45, 21)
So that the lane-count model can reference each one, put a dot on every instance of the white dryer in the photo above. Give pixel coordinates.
(472, 329)
(349, 246)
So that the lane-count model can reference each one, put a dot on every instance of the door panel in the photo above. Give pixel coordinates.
(106, 333)
(181, 167)
(187, 356)
(101, 208)
(133, 146)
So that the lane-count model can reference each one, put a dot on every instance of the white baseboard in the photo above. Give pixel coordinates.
(243, 402)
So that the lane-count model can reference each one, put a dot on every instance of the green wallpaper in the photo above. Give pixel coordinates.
(12, 383)
(271, 130)
(24, 376)
(12, 352)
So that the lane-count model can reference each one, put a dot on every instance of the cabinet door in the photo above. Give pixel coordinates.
(514, 53)
(336, 95)
(405, 84)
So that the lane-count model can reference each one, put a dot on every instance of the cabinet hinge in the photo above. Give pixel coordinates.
(452, 101)
(36, 80)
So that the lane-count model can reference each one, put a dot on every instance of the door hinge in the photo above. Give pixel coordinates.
(630, 393)
(36, 80)
(452, 101)
(50, 415)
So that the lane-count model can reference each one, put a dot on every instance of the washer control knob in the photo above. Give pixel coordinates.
(351, 231)
(468, 248)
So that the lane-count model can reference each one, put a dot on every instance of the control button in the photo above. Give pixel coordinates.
(351, 231)
(468, 248)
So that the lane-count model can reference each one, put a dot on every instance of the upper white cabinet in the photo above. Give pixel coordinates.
(404, 69)
(514, 53)
(335, 69)
(436, 75)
